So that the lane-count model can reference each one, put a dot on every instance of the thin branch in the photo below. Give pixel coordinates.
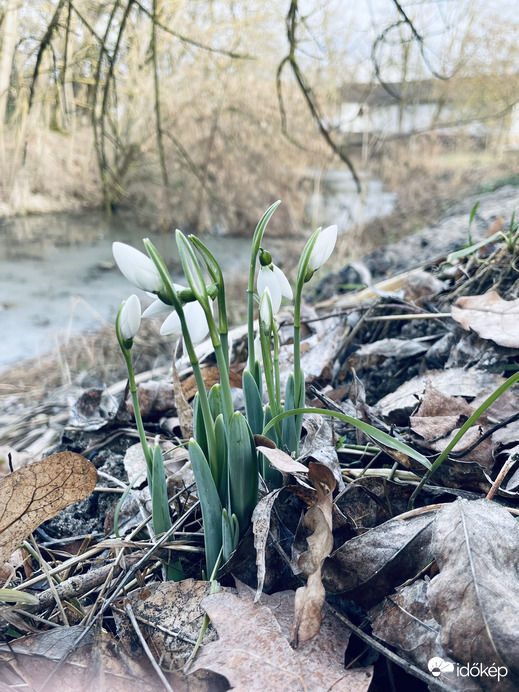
(191, 41)
(309, 96)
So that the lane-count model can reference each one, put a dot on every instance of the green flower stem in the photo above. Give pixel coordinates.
(148, 455)
(276, 365)
(269, 380)
(297, 341)
(173, 300)
(256, 242)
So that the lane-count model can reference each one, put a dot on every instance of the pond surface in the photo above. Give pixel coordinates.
(57, 276)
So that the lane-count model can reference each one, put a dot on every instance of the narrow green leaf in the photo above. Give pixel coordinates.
(260, 228)
(210, 504)
(288, 426)
(376, 434)
(243, 470)
(192, 269)
(221, 478)
(199, 426)
(253, 403)
(12, 596)
(216, 400)
(159, 494)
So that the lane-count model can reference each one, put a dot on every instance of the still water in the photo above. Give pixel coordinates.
(57, 276)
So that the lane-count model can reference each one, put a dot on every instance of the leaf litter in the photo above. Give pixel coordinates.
(435, 583)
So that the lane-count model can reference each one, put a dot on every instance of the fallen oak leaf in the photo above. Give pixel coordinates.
(490, 317)
(96, 658)
(37, 492)
(368, 567)
(475, 597)
(254, 654)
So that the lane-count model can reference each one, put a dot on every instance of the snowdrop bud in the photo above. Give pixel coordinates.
(130, 318)
(266, 310)
(137, 267)
(323, 248)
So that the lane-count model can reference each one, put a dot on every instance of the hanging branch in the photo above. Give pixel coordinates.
(41, 50)
(309, 96)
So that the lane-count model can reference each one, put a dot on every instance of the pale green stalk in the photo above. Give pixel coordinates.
(256, 242)
(174, 301)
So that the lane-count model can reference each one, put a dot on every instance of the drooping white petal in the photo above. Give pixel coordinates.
(157, 308)
(195, 319)
(265, 308)
(137, 267)
(130, 318)
(196, 322)
(171, 326)
(323, 247)
(284, 284)
(267, 279)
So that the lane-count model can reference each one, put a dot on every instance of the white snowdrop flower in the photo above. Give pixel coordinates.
(323, 247)
(265, 308)
(137, 267)
(130, 318)
(196, 323)
(272, 277)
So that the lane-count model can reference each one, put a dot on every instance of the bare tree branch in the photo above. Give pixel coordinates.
(308, 94)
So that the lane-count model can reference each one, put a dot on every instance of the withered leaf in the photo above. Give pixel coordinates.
(404, 620)
(396, 407)
(37, 492)
(96, 659)
(367, 568)
(260, 528)
(309, 599)
(254, 654)
(170, 617)
(489, 316)
(475, 597)
(281, 461)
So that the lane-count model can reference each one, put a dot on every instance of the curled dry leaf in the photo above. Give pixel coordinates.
(254, 654)
(489, 316)
(260, 528)
(309, 599)
(367, 568)
(475, 597)
(37, 492)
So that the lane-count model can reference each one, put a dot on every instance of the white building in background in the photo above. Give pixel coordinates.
(403, 109)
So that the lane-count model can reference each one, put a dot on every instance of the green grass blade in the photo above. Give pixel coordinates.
(374, 433)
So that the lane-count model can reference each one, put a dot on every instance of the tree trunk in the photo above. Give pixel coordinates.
(9, 39)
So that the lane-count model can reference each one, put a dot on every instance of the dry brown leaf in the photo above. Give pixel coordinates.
(254, 654)
(489, 316)
(475, 597)
(367, 568)
(97, 660)
(281, 461)
(309, 599)
(261, 528)
(37, 492)
(164, 610)
(211, 376)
